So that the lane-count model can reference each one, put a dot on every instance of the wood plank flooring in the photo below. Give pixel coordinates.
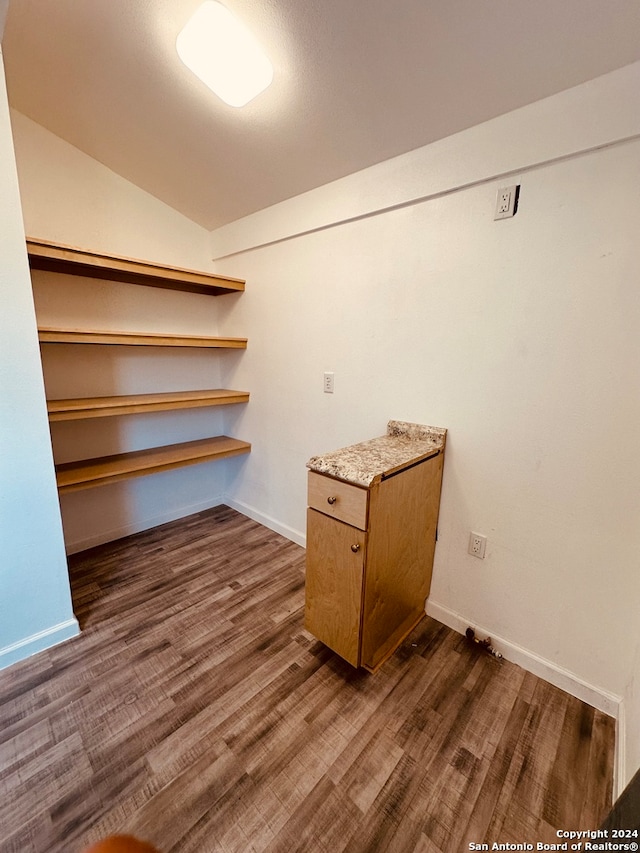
(196, 712)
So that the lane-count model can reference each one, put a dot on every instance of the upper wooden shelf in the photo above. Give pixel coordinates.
(72, 476)
(55, 257)
(101, 407)
(59, 335)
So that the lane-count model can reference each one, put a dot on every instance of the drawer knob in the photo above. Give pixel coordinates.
(355, 548)
(331, 500)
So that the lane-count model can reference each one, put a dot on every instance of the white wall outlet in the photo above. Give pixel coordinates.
(328, 383)
(507, 202)
(477, 545)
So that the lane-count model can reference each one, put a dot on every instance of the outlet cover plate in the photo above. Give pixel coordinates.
(477, 545)
(507, 202)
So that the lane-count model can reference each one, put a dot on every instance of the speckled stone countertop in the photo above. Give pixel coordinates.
(365, 463)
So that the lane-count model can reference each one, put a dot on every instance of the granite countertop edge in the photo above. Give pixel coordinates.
(367, 462)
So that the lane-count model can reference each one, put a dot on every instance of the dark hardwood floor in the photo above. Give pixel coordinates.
(196, 712)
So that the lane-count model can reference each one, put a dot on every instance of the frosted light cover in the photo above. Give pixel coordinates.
(219, 50)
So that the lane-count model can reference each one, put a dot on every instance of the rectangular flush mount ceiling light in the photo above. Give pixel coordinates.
(218, 48)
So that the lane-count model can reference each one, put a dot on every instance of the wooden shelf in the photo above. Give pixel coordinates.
(73, 476)
(51, 335)
(102, 407)
(55, 257)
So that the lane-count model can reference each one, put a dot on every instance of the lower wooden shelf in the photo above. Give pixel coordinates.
(73, 476)
(102, 407)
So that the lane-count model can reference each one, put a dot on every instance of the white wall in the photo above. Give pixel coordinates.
(70, 198)
(519, 336)
(35, 600)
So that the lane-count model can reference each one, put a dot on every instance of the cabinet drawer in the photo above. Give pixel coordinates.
(339, 500)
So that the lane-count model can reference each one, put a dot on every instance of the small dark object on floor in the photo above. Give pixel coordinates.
(121, 844)
(485, 644)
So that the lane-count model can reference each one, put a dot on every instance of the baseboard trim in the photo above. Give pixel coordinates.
(254, 514)
(600, 699)
(620, 759)
(73, 546)
(38, 642)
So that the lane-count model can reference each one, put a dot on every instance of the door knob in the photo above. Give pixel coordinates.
(331, 500)
(355, 548)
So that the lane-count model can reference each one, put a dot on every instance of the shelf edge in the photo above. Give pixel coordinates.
(74, 476)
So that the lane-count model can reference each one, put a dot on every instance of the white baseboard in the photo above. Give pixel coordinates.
(38, 642)
(73, 546)
(600, 699)
(283, 529)
(620, 764)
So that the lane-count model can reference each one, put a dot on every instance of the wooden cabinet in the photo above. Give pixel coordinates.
(370, 555)
(82, 474)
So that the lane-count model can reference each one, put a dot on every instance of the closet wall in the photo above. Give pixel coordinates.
(35, 601)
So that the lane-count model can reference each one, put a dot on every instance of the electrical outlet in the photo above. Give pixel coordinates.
(477, 545)
(328, 383)
(507, 202)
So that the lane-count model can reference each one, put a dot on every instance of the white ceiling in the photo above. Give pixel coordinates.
(356, 82)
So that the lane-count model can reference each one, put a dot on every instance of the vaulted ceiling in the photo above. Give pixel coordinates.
(356, 82)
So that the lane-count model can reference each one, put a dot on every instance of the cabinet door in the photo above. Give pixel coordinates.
(333, 595)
